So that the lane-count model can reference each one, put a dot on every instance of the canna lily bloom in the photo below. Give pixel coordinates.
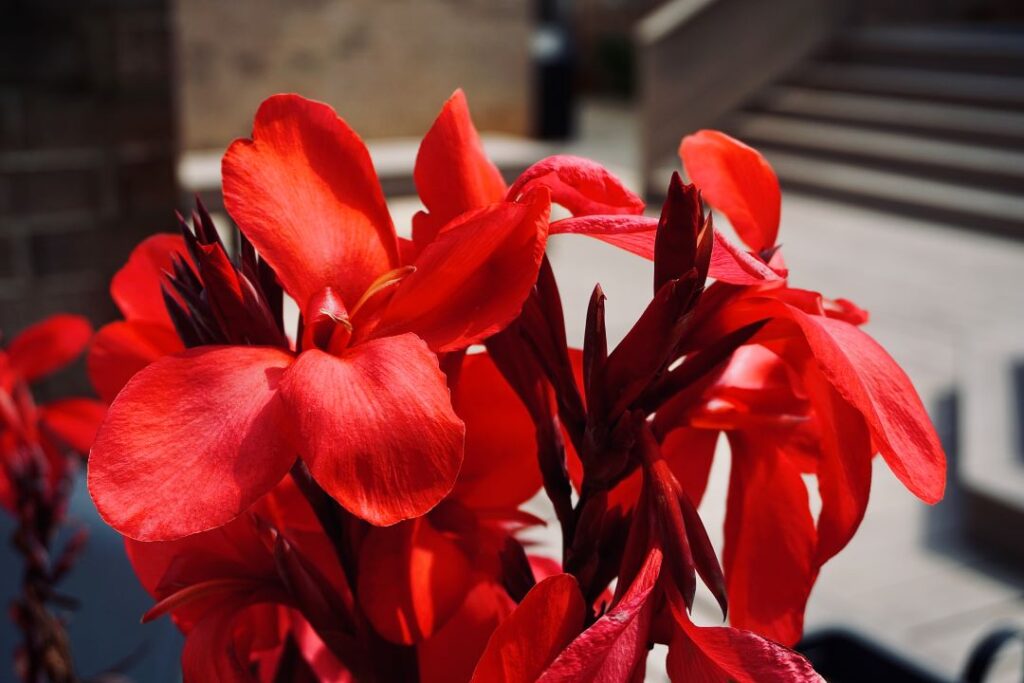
(810, 394)
(196, 437)
(415, 576)
(46, 432)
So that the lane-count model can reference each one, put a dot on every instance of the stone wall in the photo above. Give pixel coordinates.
(86, 149)
(385, 65)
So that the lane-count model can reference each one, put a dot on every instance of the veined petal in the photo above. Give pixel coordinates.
(136, 286)
(736, 180)
(191, 442)
(452, 174)
(412, 579)
(582, 186)
(547, 620)
(377, 427)
(869, 379)
(48, 346)
(303, 190)
(121, 349)
(500, 470)
(471, 281)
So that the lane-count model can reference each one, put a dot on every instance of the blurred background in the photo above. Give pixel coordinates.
(896, 127)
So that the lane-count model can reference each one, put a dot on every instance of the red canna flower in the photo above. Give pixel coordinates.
(814, 395)
(226, 422)
(42, 436)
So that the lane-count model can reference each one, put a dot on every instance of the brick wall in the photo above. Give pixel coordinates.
(385, 65)
(87, 144)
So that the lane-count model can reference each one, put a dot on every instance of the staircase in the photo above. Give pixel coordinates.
(924, 120)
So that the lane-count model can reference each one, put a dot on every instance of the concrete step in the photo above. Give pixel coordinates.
(933, 157)
(948, 121)
(942, 201)
(997, 91)
(979, 48)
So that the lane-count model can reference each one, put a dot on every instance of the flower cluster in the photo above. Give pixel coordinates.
(343, 501)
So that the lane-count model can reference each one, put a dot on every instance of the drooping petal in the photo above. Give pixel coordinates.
(376, 426)
(718, 654)
(869, 379)
(614, 648)
(191, 442)
(522, 647)
(412, 579)
(770, 541)
(471, 281)
(136, 286)
(582, 186)
(210, 652)
(634, 234)
(303, 190)
(736, 180)
(500, 470)
(47, 346)
(121, 349)
(452, 174)
(843, 467)
(73, 422)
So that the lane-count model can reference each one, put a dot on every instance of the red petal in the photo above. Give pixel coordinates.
(210, 652)
(731, 264)
(472, 280)
(74, 421)
(634, 234)
(136, 287)
(452, 653)
(49, 345)
(412, 579)
(522, 647)
(843, 467)
(377, 427)
(500, 469)
(304, 191)
(121, 349)
(191, 442)
(869, 379)
(770, 541)
(719, 653)
(582, 186)
(453, 174)
(614, 648)
(689, 453)
(736, 180)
